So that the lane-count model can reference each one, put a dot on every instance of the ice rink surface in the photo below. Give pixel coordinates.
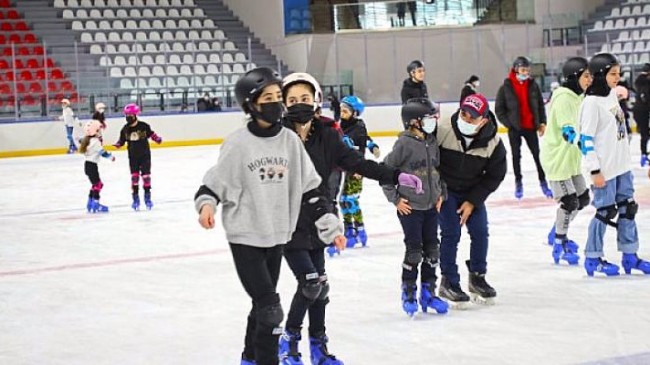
(152, 287)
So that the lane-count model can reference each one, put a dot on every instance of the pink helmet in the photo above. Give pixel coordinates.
(92, 128)
(132, 109)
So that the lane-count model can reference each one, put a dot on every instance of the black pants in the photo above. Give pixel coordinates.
(334, 186)
(140, 166)
(642, 118)
(307, 264)
(533, 145)
(258, 270)
(92, 171)
(420, 238)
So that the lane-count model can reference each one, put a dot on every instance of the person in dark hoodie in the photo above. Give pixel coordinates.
(263, 179)
(520, 108)
(641, 111)
(416, 151)
(472, 165)
(414, 86)
(471, 87)
(305, 251)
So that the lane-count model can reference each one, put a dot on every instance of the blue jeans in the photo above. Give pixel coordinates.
(421, 234)
(68, 133)
(477, 226)
(616, 190)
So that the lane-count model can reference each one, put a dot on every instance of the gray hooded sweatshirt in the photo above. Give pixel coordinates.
(260, 181)
(419, 157)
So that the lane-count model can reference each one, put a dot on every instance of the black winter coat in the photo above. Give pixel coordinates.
(507, 105)
(412, 90)
(356, 129)
(642, 88)
(327, 152)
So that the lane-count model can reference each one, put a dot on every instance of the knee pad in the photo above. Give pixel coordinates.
(98, 186)
(569, 203)
(270, 315)
(310, 288)
(146, 181)
(349, 204)
(324, 292)
(631, 208)
(607, 214)
(583, 200)
(412, 258)
(135, 178)
(432, 256)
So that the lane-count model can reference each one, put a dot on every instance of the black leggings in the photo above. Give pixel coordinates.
(258, 270)
(642, 118)
(533, 144)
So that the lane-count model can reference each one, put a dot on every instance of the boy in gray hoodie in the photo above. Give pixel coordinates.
(416, 152)
(263, 178)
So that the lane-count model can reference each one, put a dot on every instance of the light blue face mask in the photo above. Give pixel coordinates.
(522, 77)
(429, 124)
(466, 129)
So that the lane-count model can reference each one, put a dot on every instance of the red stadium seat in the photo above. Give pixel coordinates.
(3, 39)
(18, 63)
(13, 14)
(6, 27)
(5, 89)
(26, 75)
(67, 86)
(33, 63)
(50, 63)
(35, 87)
(5, 4)
(23, 51)
(28, 100)
(21, 26)
(52, 87)
(38, 50)
(15, 38)
(20, 88)
(4, 64)
(57, 74)
(7, 51)
(9, 75)
(40, 74)
(30, 38)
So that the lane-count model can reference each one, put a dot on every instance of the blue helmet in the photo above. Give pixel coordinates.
(355, 103)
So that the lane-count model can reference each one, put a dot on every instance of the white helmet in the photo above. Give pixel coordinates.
(305, 78)
(100, 107)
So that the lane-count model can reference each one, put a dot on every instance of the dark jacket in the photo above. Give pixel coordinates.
(642, 89)
(475, 171)
(507, 105)
(466, 91)
(420, 157)
(137, 138)
(355, 128)
(412, 90)
(327, 151)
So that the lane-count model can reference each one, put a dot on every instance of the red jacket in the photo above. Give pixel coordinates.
(526, 118)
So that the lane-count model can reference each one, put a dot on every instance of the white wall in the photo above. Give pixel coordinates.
(264, 17)
(39, 138)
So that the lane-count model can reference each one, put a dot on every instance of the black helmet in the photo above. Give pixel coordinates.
(601, 63)
(414, 65)
(249, 87)
(521, 61)
(574, 67)
(417, 108)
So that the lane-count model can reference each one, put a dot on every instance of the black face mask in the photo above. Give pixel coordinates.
(271, 112)
(300, 113)
(131, 119)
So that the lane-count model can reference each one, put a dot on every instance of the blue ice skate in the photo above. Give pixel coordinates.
(632, 261)
(98, 208)
(644, 160)
(545, 189)
(428, 299)
(147, 200)
(288, 348)
(350, 235)
(409, 299)
(89, 204)
(72, 149)
(519, 189)
(319, 353)
(599, 265)
(332, 250)
(136, 202)
(247, 362)
(362, 236)
(571, 244)
(561, 251)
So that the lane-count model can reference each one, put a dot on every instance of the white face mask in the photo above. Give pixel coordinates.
(466, 129)
(476, 84)
(522, 77)
(429, 124)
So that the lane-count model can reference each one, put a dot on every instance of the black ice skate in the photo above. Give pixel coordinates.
(479, 290)
(453, 294)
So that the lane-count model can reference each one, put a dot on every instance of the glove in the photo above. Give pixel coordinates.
(117, 146)
(410, 181)
(329, 226)
(112, 158)
(156, 138)
(348, 141)
(569, 134)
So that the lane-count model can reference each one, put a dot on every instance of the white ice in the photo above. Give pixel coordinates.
(152, 287)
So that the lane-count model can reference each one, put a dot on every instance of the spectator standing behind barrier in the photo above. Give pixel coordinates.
(520, 107)
(641, 110)
(335, 106)
(471, 87)
(204, 104)
(414, 86)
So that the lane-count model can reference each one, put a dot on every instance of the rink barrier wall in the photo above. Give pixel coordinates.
(36, 138)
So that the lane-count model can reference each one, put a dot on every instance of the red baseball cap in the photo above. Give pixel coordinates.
(476, 105)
